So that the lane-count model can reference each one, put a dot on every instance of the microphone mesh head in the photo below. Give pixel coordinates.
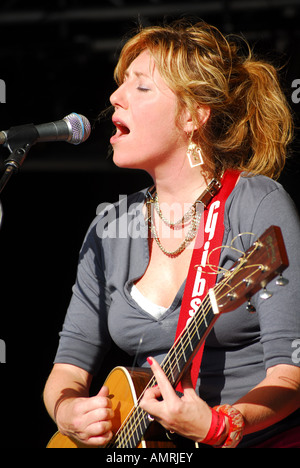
(80, 128)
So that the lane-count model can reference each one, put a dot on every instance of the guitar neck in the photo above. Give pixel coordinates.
(188, 343)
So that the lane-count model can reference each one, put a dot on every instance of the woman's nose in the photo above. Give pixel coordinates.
(118, 98)
(113, 97)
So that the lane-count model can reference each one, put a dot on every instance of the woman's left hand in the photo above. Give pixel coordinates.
(188, 416)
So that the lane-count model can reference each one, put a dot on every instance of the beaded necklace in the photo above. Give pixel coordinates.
(194, 214)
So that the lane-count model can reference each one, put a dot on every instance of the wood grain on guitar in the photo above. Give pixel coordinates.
(132, 426)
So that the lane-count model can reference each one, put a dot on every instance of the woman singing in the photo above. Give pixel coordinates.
(193, 111)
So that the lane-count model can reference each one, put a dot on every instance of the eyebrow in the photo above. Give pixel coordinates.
(137, 74)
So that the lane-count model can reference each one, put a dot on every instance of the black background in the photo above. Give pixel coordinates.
(57, 58)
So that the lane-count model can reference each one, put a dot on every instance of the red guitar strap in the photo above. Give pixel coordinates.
(209, 237)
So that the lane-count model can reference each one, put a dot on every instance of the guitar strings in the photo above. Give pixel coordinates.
(190, 331)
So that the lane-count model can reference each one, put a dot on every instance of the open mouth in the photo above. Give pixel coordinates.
(121, 128)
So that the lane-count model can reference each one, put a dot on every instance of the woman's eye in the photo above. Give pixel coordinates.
(143, 88)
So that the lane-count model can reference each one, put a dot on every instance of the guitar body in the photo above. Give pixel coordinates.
(125, 387)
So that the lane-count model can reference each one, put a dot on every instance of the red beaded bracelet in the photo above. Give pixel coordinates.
(218, 424)
(216, 429)
(236, 425)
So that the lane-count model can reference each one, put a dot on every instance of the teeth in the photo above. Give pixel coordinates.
(119, 124)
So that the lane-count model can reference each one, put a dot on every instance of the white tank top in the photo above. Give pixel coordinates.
(148, 306)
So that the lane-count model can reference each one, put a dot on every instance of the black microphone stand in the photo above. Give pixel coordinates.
(19, 141)
(13, 164)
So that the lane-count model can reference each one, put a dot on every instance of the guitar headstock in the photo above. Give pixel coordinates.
(263, 261)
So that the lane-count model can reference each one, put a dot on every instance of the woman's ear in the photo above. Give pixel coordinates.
(203, 115)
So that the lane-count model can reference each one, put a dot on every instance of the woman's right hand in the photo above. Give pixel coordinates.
(87, 420)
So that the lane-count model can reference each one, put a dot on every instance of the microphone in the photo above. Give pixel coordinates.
(74, 129)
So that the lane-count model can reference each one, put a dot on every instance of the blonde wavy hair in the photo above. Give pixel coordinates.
(250, 123)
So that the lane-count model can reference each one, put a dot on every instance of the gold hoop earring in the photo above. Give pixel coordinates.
(194, 154)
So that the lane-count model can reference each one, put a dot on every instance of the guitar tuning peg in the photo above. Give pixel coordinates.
(281, 281)
(250, 308)
(265, 294)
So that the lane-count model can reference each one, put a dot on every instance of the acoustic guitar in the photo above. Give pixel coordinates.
(132, 426)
